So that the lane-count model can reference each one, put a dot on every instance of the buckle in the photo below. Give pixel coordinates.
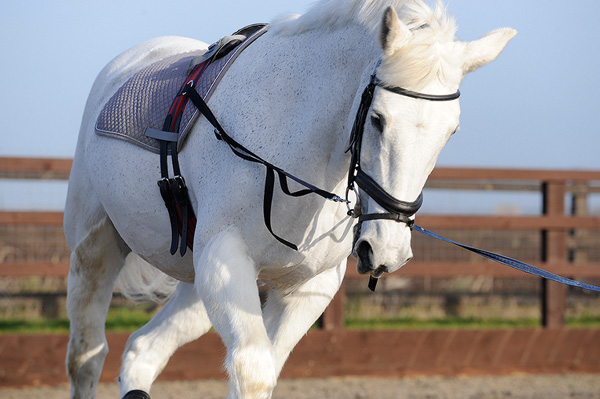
(164, 180)
(354, 212)
(180, 181)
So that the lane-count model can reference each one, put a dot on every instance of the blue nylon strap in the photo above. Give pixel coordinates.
(516, 264)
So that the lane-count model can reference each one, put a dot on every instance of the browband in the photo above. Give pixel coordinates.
(414, 94)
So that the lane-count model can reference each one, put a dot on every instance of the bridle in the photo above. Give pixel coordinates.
(397, 210)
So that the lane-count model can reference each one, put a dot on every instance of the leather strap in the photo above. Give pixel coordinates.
(174, 190)
(383, 198)
(420, 96)
(387, 216)
(515, 264)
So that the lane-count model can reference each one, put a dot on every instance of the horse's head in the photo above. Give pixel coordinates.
(410, 110)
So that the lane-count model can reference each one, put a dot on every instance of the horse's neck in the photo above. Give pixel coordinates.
(330, 66)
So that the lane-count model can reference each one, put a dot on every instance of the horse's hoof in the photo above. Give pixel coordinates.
(136, 394)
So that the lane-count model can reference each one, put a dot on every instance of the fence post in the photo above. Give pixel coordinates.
(579, 238)
(554, 249)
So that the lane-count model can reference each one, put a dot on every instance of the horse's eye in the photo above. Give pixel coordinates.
(378, 122)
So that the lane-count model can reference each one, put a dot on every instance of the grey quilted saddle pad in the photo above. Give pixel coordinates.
(144, 100)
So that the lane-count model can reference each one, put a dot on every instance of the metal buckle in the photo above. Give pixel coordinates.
(180, 180)
(163, 180)
(351, 211)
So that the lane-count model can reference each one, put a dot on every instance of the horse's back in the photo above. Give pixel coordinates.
(123, 66)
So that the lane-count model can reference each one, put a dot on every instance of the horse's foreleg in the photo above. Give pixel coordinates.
(180, 321)
(226, 281)
(289, 317)
(96, 260)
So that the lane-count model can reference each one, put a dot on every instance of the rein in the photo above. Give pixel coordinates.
(515, 264)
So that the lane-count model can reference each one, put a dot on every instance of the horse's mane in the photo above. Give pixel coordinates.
(421, 61)
(336, 14)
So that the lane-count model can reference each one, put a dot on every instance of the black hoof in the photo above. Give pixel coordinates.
(136, 394)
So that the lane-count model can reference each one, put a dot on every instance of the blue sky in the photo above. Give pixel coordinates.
(537, 106)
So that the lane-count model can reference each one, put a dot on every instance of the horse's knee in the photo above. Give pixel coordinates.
(252, 371)
(226, 281)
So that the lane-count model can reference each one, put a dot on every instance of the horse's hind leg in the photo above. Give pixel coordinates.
(97, 255)
(226, 281)
(180, 321)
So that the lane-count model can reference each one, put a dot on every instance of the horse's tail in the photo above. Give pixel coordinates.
(140, 281)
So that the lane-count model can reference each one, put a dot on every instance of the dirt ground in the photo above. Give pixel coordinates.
(518, 386)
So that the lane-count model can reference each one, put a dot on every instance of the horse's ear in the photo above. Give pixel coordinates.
(485, 50)
(394, 34)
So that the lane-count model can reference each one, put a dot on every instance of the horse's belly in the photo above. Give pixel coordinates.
(124, 177)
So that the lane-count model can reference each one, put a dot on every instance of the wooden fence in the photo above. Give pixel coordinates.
(555, 226)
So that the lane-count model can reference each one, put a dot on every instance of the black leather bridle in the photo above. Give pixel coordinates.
(397, 210)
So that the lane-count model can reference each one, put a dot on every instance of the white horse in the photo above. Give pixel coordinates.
(291, 97)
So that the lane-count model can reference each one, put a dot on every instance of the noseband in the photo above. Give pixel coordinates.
(397, 210)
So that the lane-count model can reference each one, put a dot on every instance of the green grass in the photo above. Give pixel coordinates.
(441, 323)
(39, 326)
(127, 319)
(584, 321)
(118, 320)
(462, 323)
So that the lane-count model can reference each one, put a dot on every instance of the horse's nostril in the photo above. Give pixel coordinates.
(364, 253)
(364, 250)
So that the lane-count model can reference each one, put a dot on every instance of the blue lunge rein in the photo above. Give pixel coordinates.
(515, 264)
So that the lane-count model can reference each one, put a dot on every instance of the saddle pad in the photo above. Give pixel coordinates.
(144, 100)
